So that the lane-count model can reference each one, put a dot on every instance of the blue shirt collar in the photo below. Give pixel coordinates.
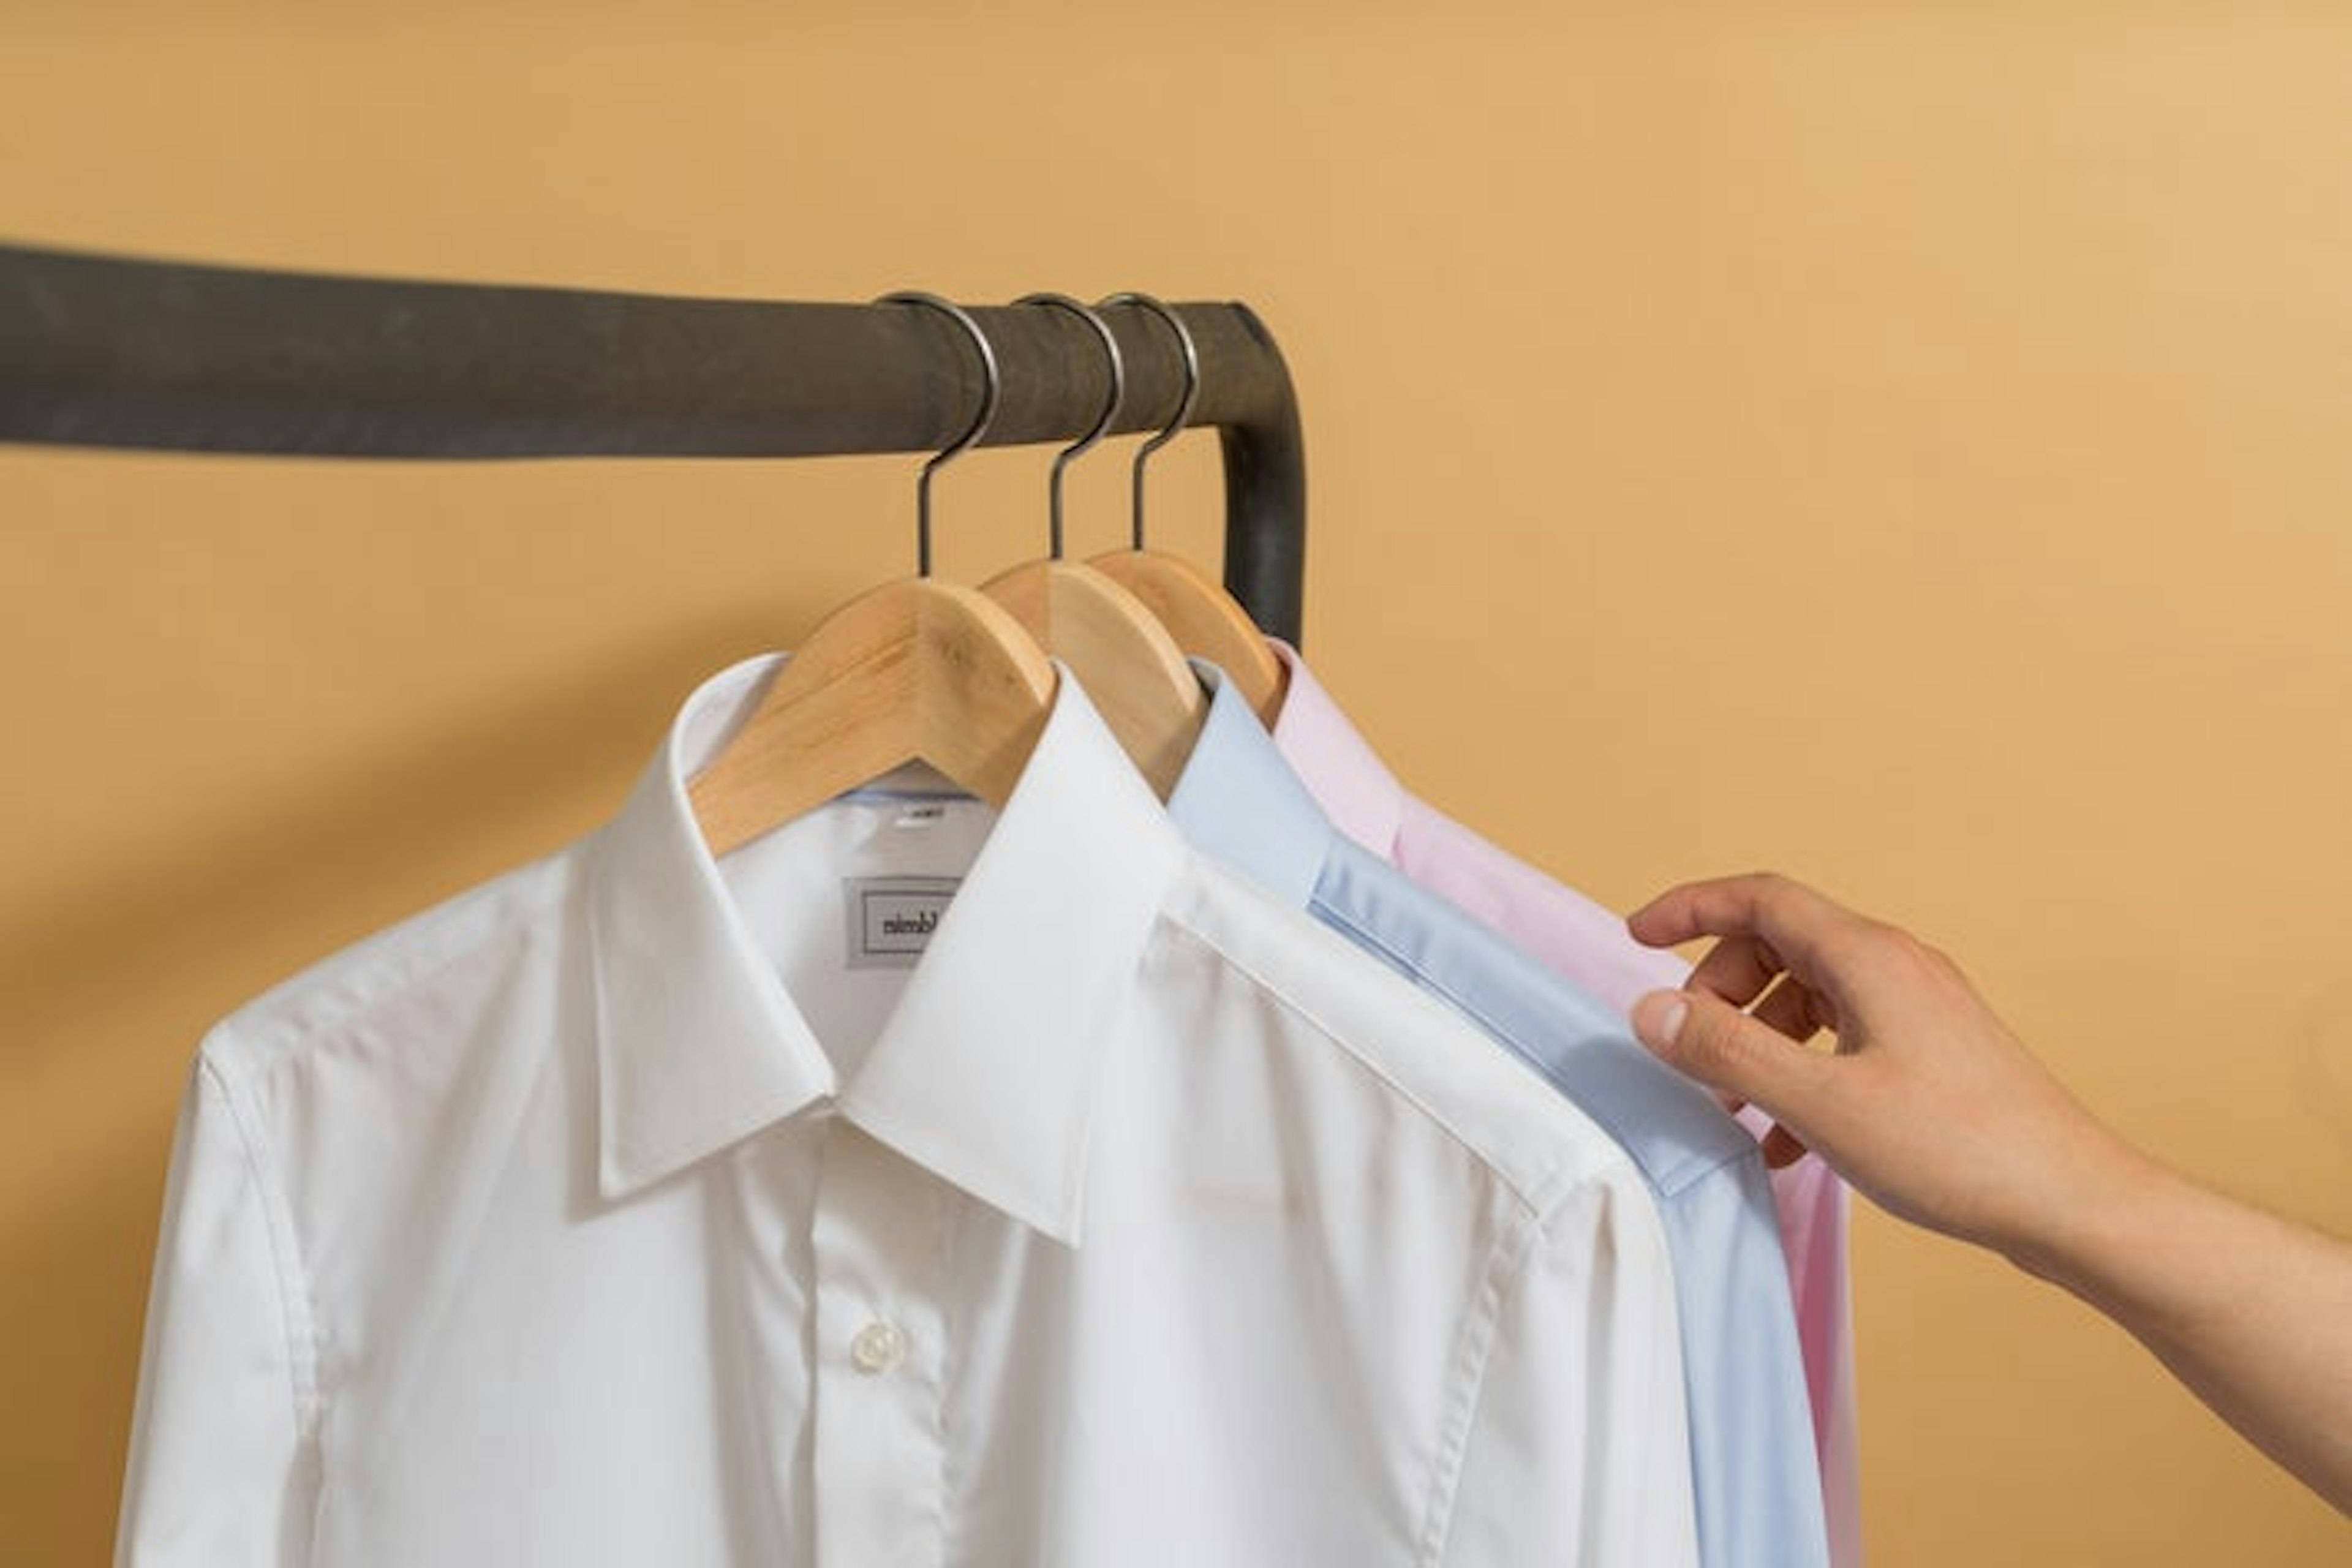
(1239, 802)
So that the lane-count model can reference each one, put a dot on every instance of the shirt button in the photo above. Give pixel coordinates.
(877, 1348)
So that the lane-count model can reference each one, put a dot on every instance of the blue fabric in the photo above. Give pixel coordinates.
(1752, 1456)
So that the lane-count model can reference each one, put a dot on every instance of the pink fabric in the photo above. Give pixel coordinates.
(1588, 942)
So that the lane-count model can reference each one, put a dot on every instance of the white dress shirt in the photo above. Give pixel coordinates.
(638, 1208)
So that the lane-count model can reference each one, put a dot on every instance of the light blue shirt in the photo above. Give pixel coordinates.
(1752, 1439)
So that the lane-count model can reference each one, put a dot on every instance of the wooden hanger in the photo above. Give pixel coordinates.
(1134, 672)
(1131, 668)
(1203, 618)
(916, 670)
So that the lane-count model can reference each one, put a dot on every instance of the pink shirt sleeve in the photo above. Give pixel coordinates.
(1588, 942)
(1812, 1202)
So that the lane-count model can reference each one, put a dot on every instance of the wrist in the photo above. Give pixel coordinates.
(2091, 1220)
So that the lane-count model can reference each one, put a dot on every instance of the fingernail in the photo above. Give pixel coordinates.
(1658, 1017)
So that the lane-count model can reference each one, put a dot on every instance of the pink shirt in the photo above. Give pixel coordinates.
(1589, 944)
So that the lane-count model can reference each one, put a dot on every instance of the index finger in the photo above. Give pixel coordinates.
(1799, 924)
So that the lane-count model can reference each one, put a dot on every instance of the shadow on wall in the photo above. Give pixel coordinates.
(423, 799)
(69, 1316)
(105, 997)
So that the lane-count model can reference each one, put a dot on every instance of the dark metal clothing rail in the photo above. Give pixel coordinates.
(99, 350)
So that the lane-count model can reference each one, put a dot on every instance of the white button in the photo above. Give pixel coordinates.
(877, 1348)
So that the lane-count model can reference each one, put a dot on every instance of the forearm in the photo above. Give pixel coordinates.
(2253, 1313)
(1931, 1107)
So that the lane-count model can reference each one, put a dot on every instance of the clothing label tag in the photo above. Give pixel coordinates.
(891, 918)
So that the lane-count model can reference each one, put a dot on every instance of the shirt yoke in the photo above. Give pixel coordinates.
(324, 997)
(1540, 1146)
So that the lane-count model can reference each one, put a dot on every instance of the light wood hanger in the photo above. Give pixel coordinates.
(1203, 618)
(1131, 668)
(916, 670)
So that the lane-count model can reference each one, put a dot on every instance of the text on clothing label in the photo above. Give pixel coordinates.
(891, 918)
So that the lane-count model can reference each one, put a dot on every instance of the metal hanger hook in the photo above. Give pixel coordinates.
(1192, 357)
(992, 391)
(1110, 407)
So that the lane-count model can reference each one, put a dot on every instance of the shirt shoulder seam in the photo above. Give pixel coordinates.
(1698, 1171)
(1473, 1355)
(297, 1317)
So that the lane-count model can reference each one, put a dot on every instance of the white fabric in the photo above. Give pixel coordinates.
(623, 1210)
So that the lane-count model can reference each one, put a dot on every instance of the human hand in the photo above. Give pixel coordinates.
(1928, 1104)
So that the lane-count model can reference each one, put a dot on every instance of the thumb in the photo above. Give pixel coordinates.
(1705, 1037)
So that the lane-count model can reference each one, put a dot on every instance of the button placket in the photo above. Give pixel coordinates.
(877, 1241)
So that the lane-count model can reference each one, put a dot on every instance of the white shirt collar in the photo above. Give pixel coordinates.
(985, 1072)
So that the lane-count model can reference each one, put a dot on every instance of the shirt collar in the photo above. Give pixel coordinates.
(1240, 803)
(984, 1073)
(1338, 765)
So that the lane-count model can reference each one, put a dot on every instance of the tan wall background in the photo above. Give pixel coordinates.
(1904, 445)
